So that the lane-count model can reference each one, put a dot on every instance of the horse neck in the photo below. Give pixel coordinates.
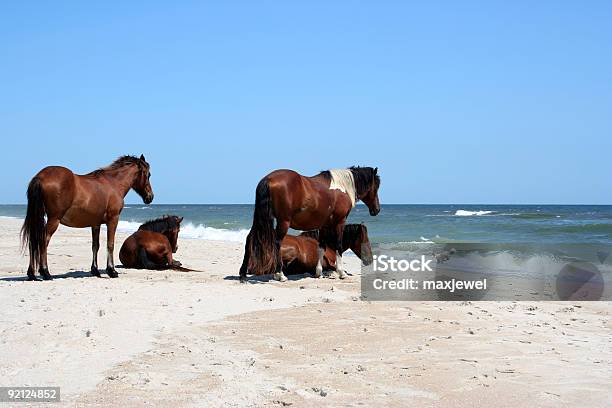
(123, 177)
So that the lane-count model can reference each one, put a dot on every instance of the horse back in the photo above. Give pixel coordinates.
(155, 244)
(300, 250)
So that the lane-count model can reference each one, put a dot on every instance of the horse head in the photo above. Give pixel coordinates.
(367, 183)
(173, 233)
(356, 238)
(142, 182)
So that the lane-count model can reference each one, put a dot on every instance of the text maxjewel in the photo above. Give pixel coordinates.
(411, 284)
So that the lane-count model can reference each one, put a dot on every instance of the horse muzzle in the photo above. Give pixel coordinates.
(374, 211)
(148, 199)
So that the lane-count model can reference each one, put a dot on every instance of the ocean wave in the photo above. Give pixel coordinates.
(533, 216)
(217, 234)
(579, 229)
(192, 231)
(466, 213)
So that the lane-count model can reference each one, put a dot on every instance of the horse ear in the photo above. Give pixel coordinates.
(375, 170)
(180, 219)
(142, 157)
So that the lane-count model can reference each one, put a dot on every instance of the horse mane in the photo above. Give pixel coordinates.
(343, 180)
(352, 231)
(326, 174)
(364, 178)
(122, 161)
(162, 224)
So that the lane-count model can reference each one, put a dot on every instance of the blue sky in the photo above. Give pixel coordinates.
(455, 102)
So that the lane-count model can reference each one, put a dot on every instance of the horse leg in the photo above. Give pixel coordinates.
(95, 245)
(319, 268)
(31, 274)
(50, 229)
(245, 260)
(144, 260)
(281, 230)
(110, 247)
(338, 248)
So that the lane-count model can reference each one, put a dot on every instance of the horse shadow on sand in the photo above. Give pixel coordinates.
(255, 279)
(66, 275)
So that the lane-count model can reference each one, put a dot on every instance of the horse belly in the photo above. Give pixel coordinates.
(77, 217)
(309, 220)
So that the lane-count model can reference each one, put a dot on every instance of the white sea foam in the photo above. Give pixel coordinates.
(199, 231)
(219, 234)
(466, 213)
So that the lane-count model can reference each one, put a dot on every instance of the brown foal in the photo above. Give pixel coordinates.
(299, 254)
(152, 246)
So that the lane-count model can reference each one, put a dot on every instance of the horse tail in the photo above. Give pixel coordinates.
(263, 249)
(182, 269)
(33, 234)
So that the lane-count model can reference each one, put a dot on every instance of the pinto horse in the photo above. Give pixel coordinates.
(152, 246)
(80, 201)
(322, 202)
(299, 254)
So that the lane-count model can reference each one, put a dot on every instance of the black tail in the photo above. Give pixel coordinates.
(33, 230)
(263, 250)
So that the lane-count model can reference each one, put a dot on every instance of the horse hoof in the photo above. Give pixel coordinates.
(95, 272)
(342, 275)
(279, 276)
(44, 273)
(34, 278)
(112, 273)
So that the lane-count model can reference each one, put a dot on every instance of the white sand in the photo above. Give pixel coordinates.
(197, 339)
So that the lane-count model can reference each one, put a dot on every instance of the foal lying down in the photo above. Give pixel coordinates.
(152, 246)
(300, 254)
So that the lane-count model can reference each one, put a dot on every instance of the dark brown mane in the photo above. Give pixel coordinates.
(326, 175)
(364, 178)
(161, 225)
(117, 164)
(351, 233)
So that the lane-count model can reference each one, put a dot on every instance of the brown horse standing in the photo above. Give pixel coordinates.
(322, 202)
(80, 201)
(299, 254)
(152, 246)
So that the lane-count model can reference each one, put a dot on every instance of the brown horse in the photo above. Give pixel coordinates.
(322, 202)
(300, 253)
(152, 246)
(80, 201)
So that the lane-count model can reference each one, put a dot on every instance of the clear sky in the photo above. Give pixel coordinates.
(455, 102)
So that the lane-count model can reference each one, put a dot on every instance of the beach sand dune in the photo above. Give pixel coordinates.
(203, 339)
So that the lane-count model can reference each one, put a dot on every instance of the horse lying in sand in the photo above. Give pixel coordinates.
(152, 246)
(300, 254)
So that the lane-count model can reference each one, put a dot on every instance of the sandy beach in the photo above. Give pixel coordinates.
(177, 339)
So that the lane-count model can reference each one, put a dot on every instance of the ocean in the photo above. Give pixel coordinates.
(401, 224)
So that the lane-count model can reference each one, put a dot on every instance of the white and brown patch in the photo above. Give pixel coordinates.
(342, 179)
